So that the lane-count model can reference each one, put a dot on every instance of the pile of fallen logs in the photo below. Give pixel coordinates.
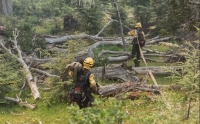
(120, 72)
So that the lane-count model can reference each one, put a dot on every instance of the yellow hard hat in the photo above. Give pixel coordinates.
(138, 25)
(88, 63)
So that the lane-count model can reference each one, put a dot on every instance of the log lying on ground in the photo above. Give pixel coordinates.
(35, 61)
(71, 37)
(157, 40)
(81, 36)
(114, 89)
(116, 72)
(118, 59)
(152, 51)
(44, 72)
(156, 69)
(88, 50)
(21, 103)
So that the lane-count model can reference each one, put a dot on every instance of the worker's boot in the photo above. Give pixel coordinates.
(137, 63)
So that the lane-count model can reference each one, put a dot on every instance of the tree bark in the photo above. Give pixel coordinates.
(114, 89)
(21, 103)
(120, 72)
(157, 40)
(155, 69)
(6, 7)
(120, 22)
(71, 37)
(44, 72)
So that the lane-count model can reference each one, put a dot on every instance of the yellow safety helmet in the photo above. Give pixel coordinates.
(88, 63)
(138, 25)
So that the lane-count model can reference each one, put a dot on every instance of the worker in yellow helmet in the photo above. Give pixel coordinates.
(138, 39)
(81, 93)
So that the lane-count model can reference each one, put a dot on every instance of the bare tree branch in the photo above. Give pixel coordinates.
(44, 72)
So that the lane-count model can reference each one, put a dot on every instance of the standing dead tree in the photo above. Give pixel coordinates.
(121, 28)
(29, 78)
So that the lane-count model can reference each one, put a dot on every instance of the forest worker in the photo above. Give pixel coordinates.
(81, 93)
(138, 39)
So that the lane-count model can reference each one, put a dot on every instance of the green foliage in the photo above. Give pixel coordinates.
(190, 73)
(40, 8)
(89, 20)
(26, 36)
(144, 110)
(171, 15)
(114, 28)
(57, 65)
(59, 92)
(10, 74)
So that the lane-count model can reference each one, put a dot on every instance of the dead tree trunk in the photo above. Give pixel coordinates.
(29, 77)
(114, 89)
(157, 40)
(120, 22)
(21, 103)
(120, 72)
(6, 7)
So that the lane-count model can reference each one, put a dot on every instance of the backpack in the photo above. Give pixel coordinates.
(141, 38)
(77, 93)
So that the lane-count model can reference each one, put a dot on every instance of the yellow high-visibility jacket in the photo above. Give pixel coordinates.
(134, 33)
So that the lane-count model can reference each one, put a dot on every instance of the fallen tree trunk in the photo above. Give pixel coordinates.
(114, 89)
(71, 37)
(156, 69)
(21, 103)
(95, 45)
(153, 60)
(29, 77)
(152, 51)
(44, 72)
(35, 61)
(120, 72)
(157, 40)
(118, 59)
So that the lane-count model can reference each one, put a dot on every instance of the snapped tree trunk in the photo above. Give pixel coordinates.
(29, 78)
(120, 22)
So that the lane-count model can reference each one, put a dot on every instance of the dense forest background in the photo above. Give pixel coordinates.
(39, 19)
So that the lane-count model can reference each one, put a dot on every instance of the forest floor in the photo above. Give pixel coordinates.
(171, 107)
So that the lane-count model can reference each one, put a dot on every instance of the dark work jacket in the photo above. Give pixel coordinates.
(86, 86)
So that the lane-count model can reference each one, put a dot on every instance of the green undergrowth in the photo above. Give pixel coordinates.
(145, 110)
(170, 107)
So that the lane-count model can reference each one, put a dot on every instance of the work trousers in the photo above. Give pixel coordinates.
(136, 51)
